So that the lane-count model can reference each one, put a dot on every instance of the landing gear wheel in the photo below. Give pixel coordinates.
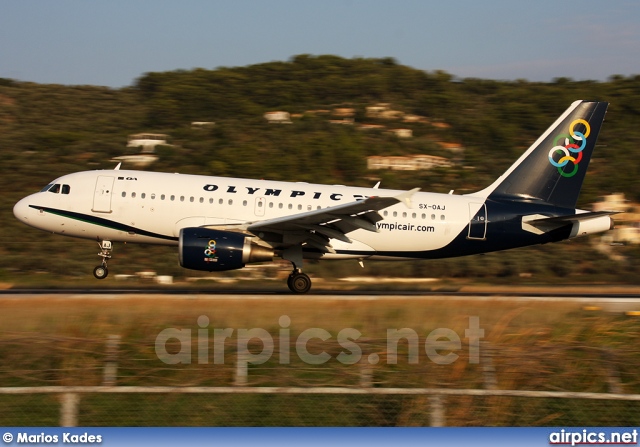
(100, 272)
(299, 282)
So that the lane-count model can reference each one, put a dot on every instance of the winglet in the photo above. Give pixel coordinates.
(117, 168)
(406, 196)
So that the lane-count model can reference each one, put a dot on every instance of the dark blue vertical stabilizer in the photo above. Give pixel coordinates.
(553, 168)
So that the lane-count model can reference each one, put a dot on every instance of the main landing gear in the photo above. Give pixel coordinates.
(101, 271)
(299, 282)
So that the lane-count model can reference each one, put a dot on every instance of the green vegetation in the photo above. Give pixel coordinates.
(50, 130)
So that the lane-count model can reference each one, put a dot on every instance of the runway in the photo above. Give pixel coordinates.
(339, 290)
(609, 299)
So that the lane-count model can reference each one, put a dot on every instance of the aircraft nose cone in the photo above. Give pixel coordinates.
(21, 210)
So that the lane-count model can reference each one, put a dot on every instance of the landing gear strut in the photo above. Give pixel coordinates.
(299, 282)
(101, 271)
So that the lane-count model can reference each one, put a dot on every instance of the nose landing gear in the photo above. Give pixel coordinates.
(101, 271)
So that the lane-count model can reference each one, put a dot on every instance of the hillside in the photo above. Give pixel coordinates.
(50, 130)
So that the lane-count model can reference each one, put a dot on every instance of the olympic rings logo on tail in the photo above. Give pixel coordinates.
(570, 151)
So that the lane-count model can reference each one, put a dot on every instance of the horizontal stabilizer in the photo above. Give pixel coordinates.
(571, 218)
(540, 224)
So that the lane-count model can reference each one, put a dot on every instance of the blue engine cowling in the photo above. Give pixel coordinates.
(217, 251)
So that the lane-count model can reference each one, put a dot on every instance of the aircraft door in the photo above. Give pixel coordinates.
(102, 194)
(477, 222)
(261, 204)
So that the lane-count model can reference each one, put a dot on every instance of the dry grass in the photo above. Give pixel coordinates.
(534, 345)
(98, 316)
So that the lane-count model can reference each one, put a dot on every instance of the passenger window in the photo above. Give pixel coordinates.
(143, 195)
(404, 214)
(230, 201)
(244, 203)
(220, 202)
(173, 198)
(210, 200)
(124, 194)
(153, 196)
(133, 195)
(442, 217)
(395, 214)
(162, 197)
(66, 189)
(201, 199)
(191, 199)
(182, 198)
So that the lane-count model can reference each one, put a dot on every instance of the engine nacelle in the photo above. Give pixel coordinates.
(217, 251)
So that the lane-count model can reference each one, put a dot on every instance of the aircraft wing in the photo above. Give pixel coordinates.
(315, 228)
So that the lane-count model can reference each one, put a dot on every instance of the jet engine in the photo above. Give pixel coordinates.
(217, 251)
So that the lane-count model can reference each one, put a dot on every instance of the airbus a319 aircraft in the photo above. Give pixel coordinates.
(221, 223)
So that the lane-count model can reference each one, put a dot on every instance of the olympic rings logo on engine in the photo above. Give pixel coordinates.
(210, 251)
(570, 152)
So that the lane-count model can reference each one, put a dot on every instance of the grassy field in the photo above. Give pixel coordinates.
(532, 345)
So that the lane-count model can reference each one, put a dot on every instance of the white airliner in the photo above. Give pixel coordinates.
(221, 223)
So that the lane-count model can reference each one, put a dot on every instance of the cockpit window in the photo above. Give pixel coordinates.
(57, 188)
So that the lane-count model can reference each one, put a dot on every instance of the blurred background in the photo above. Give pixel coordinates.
(323, 119)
